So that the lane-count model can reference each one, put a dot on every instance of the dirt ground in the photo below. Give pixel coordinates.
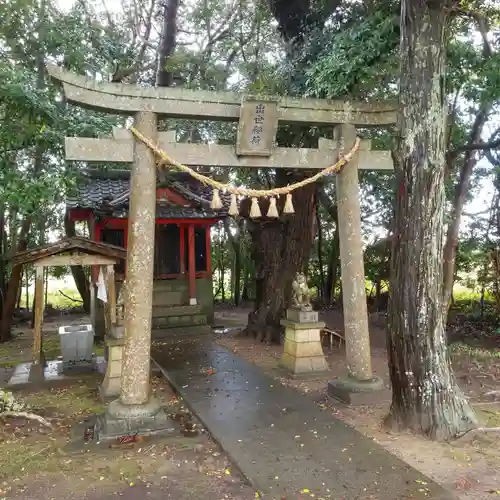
(36, 462)
(470, 468)
(56, 464)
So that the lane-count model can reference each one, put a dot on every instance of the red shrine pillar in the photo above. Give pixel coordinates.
(191, 267)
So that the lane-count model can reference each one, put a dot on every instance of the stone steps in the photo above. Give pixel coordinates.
(181, 332)
(176, 310)
(168, 317)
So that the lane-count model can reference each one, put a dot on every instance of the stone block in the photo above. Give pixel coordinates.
(359, 392)
(111, 384)
(303, 352)
(36, 374)
(313, 366)
(318, 325)
(299, 316)
(124, 420)
(111, 428)
(117, 332)
(303, 349)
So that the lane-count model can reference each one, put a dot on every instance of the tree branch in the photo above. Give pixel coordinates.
(487, 152)
(482, 26)
(480, 146)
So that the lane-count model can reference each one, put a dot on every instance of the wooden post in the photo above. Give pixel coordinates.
(111, 289)
(191, 267)
(182, 248)
(38, 362)
(92, 302)
(208, 260)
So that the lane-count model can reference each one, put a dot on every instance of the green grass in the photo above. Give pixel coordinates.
(56, 299)
(458, 348)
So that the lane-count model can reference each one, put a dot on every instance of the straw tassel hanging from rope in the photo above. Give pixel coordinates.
(216, 201)
(233, 207)
(288, 208)
(255, 209)
(272, 211)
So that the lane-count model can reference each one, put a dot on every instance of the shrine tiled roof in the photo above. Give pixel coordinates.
(100, 190)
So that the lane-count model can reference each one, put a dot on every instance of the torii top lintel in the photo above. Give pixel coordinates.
(208, 105)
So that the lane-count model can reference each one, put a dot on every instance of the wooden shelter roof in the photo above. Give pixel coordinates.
(75, 244)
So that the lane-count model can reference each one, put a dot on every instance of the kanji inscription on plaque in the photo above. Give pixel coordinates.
(257, 127)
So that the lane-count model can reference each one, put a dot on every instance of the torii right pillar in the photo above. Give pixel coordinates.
(359, 386)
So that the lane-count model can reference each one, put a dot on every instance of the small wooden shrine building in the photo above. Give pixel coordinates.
(182, 296)
(73, 251)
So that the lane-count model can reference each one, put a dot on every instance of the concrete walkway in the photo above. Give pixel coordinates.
(280, 440)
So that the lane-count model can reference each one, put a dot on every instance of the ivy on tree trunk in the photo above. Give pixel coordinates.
(426, 397)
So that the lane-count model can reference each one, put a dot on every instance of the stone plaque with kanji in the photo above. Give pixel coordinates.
(257, 127)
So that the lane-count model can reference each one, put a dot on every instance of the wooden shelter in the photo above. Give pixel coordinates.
(74, 251)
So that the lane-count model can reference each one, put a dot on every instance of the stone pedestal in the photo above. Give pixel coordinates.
(303, 354)
(354, 392)
(128, 420)
(110, 387)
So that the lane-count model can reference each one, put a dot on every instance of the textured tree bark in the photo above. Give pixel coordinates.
(332, 275)
(425, 396)
(279, 249)
(164, 75)
(13, 285)
(334, 255)
(235, 242)
(3, 246)
(321, 267)
(267, 246)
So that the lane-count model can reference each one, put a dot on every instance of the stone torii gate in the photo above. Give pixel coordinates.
(258, 119)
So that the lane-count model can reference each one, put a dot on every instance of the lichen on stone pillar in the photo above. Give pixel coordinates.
(357, 338)
(135, 383)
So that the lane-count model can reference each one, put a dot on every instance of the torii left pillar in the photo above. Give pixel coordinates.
(136, 411)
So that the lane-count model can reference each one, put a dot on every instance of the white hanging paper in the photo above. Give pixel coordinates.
(101, 287)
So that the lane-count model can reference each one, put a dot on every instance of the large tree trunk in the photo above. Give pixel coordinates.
(321, 268)
(333, 265)
(164, 75)
(3, 246)
(334, 255)
(235, 242)
(425, 395)
(280, 249)
(13, 285)
(81, 280)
